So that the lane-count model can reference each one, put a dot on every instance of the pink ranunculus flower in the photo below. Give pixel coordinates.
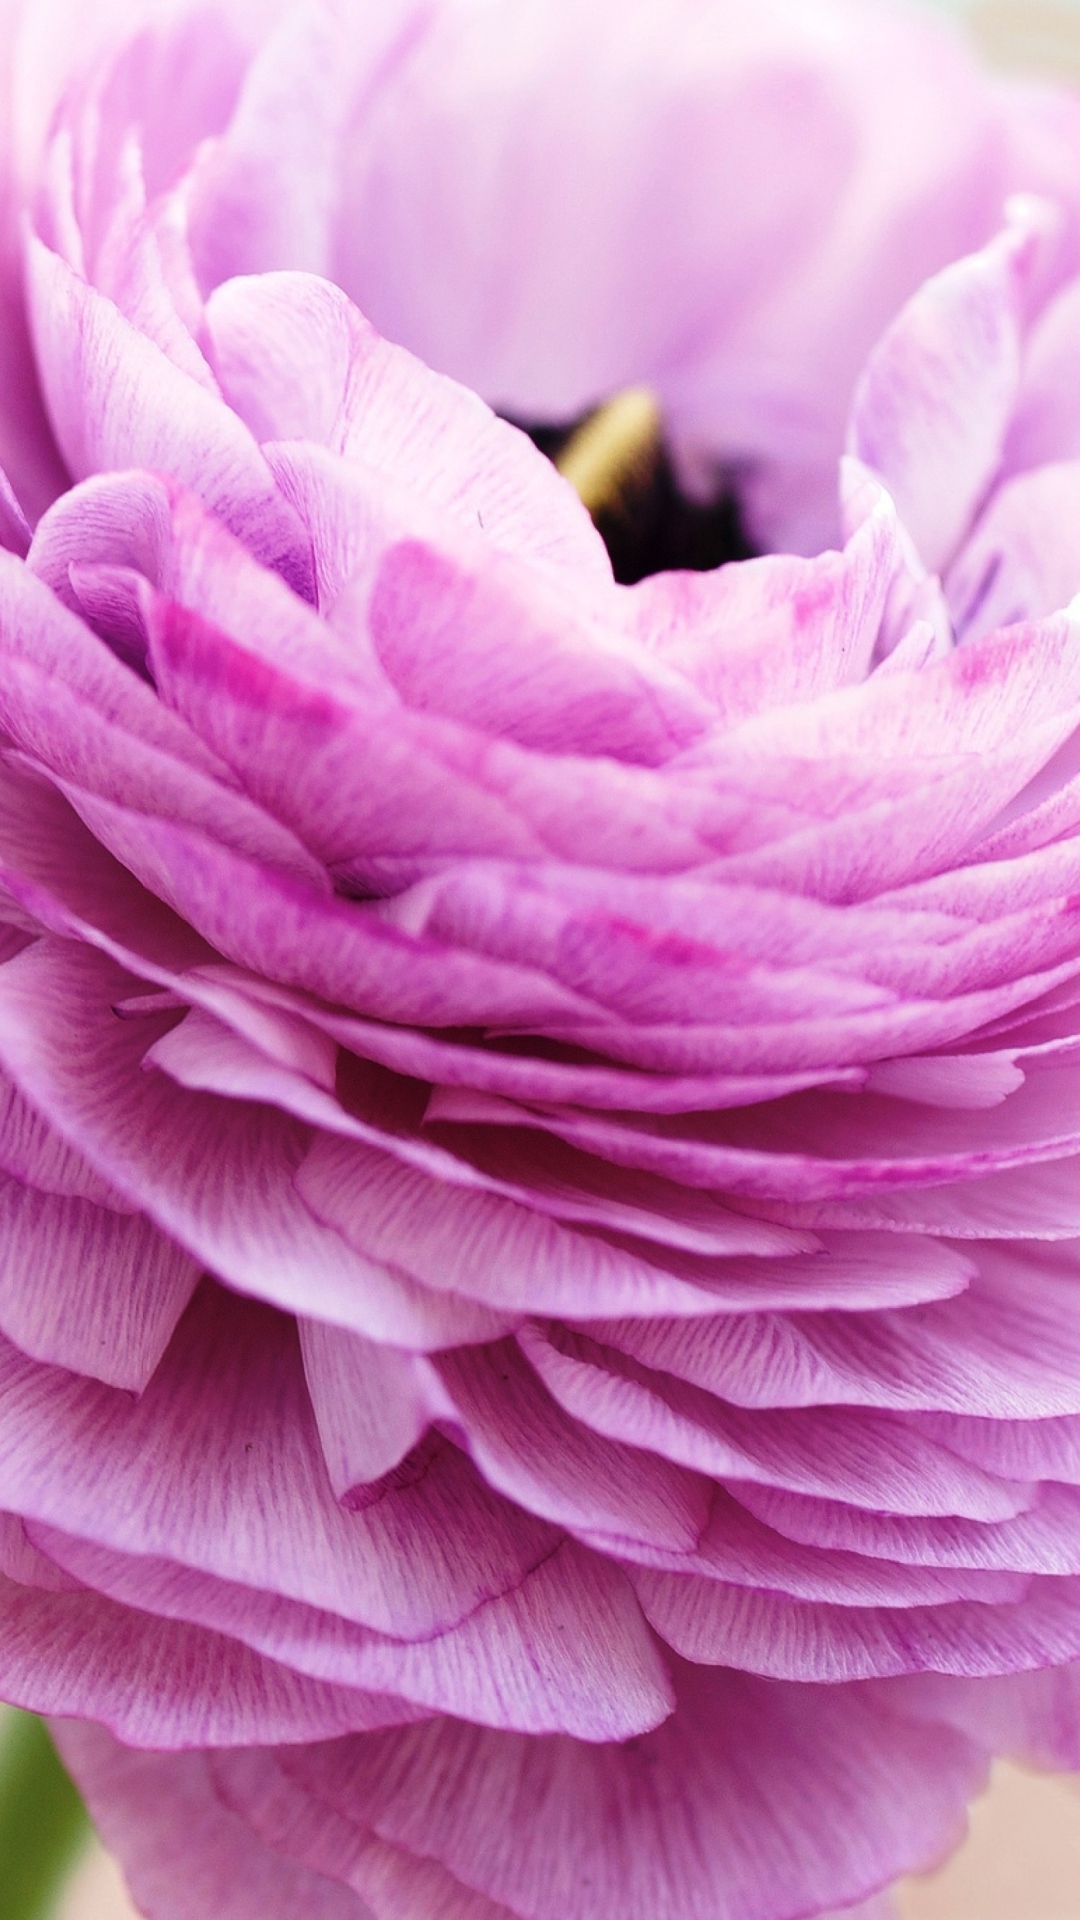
(541, 1361)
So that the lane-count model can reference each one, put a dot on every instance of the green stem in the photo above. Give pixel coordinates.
(43, 1823)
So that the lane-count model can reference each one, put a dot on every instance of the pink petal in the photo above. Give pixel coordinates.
(441, 624)
(674, 1822)
(790, 1639)
(1041, 1541)
(374, 403)
(564, 1651)
(117, 402)
(874, 1461)
(229, 1196)
(107, 1289)
(775, 631)
(477, 1244)
(739, 1550)
(371, 1404)
(394, 1884)
(610, 1494)
(33, 1153)
(1006, 1347)
(67, 702)
(156, 1683)
(218, 1467)
(1023, 558)
(931, 411)
(182, 1850)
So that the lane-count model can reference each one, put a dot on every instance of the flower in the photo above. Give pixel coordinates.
(538, 1286)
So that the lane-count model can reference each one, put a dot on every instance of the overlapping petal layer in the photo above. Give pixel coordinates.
(539, 1360)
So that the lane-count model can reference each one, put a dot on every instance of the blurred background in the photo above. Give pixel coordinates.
(1021, 1860)
(1036, 36)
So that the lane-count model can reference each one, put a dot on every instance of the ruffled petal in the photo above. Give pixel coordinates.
(182, 1850)
(674, 1822)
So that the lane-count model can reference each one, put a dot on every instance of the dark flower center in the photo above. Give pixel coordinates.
(617, 459)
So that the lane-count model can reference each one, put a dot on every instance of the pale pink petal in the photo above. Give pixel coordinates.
(1046, 424)
(117, 401)
(374, 403)
(263, 196)
(931, 412)
(1023, 559)
(1031, 1715)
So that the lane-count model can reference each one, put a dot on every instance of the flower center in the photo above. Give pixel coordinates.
(616, 459)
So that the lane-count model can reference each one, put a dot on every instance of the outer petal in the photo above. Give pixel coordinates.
(395, 1884)
(675, 1823)
(185, 1854)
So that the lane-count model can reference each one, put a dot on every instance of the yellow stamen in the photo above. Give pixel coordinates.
(613, 451)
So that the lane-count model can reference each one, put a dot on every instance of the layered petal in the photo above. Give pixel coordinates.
(538, 1355)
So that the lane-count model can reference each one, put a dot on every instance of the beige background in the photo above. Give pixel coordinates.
(1040, 36)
